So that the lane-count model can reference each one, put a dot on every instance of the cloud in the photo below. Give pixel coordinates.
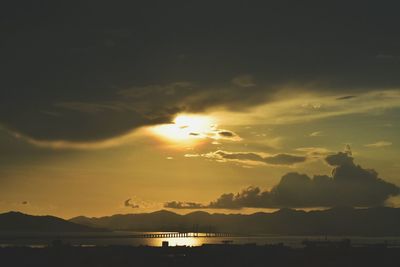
(345, 97)
(379, 144)
(95, 123)
(389, 57)
(289, 108)
(349, 185)
(81, 145)
(340, 159)
(90, 82)
(315, 134)
(183, 205)
(194, 126)
(192, 155)
(315, 152)
(226, 133)
(245, 80)
(221, 134)
(253, 157)
(128, 203)
(266, 141)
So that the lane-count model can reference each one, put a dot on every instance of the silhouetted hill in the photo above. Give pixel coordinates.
(162, 220)
(19, 222)
(380, 221)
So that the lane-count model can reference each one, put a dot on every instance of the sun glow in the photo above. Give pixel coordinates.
(186, 128)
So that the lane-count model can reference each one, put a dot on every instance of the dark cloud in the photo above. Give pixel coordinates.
(244, 80)
(276, 159)
(340, 159)
(226, 133)
(284, 159)
(346, 97)
(128, 203)
(349, 185)
(183, 205)
(383, 56)
(250, 197)
(93, 70)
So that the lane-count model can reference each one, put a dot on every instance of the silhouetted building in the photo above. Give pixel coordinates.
(165, 244)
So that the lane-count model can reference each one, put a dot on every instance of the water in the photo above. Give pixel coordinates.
(118, 238)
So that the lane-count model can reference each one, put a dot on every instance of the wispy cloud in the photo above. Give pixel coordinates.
(315, 152)
(89, 145)
(316, 134)
(302, 107)
(282, 159)
(379, 144)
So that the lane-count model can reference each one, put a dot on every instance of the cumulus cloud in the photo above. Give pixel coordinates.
(340, 159)
(128, 203)
(253, 157)
(348, 185)
(379, 144)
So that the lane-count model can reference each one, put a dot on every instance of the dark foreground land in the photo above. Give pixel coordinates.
(206, 255)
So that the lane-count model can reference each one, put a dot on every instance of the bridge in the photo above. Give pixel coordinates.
(178, 235)
(113, 236)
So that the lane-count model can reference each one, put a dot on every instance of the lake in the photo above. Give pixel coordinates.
(121, 238)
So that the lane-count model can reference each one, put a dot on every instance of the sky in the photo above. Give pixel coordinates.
(225, 106)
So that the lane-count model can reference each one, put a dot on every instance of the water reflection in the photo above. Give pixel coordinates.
(178, 241)
(191, 240)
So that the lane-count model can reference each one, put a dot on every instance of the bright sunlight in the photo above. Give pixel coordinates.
(186, 128)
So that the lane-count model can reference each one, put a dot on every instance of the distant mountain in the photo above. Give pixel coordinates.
(380, 221)
(156, 221)
(12, 222)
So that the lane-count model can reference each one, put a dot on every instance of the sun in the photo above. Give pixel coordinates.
(186, 128)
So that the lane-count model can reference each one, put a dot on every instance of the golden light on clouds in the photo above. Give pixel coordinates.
(186, 128)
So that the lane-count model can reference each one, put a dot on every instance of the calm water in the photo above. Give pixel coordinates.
(117, 238)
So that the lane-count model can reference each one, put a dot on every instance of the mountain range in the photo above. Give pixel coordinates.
(378, 221)
(340, 221)
(12, 222)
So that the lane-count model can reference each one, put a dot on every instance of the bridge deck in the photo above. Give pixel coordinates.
(98, 236)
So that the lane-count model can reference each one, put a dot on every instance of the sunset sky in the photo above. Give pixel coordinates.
(124, 107)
